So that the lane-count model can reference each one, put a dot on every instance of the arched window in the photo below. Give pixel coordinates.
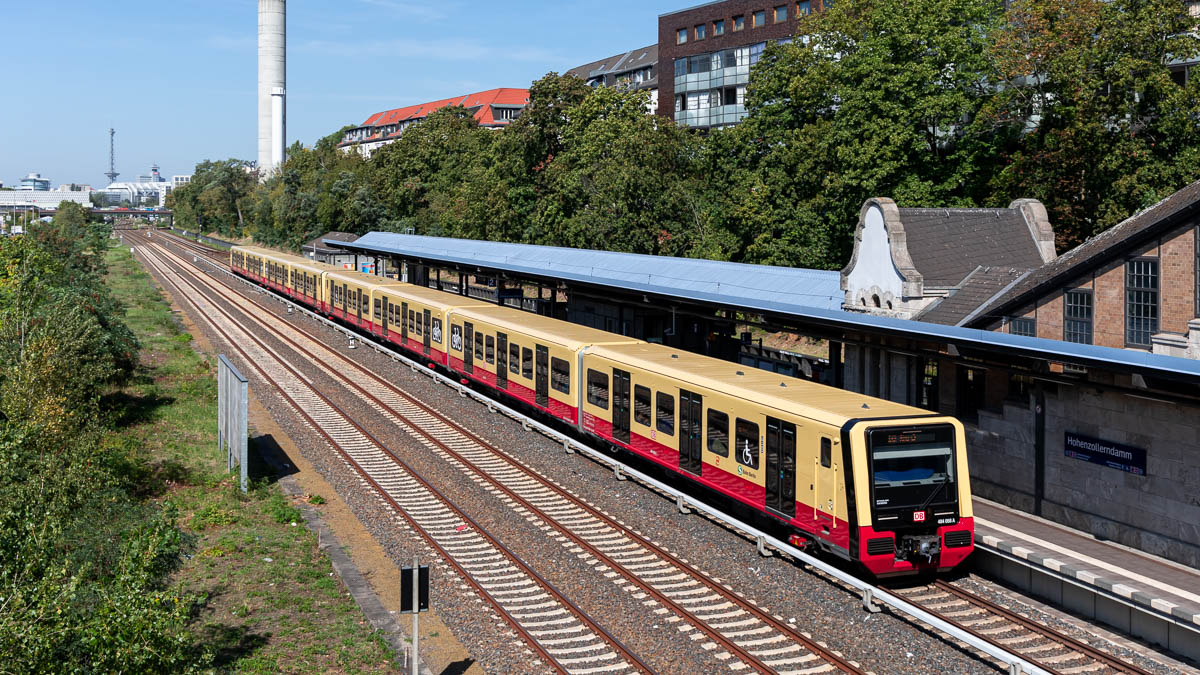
(875, 300)
(889, 304)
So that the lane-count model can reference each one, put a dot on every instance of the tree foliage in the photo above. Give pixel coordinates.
(929, 102)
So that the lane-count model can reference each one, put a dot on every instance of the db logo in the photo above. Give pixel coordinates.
(918, 516)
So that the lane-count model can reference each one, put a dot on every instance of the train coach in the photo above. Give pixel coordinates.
(875, 482)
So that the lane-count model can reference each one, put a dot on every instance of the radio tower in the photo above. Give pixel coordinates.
(112, 158)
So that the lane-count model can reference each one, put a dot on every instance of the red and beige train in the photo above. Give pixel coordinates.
(876, 482)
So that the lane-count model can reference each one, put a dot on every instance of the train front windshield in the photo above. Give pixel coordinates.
(912, 467)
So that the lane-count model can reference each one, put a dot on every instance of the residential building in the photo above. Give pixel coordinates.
(1135, 286)
(35, 182)
(493, 109)
(940, 264)
(179, 181)
(706, 52)
(636, 69)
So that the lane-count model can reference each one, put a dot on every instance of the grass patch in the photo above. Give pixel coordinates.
(270, 600)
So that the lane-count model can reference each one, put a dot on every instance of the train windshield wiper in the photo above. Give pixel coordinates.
(936, 489)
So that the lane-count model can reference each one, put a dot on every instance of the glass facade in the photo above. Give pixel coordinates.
(710, 89)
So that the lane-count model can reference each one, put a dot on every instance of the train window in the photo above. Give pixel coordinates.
(597, 385)
(420, 327)
(526, 363)
(641, 405)
(560, 375)
(478, 346)
(514, 358)
(490, 350)
(366, 302)
(826, 453)
(746, 448)
(666, 413)
(377, 312)
(718, 432)
(412, 320)
(436, 329)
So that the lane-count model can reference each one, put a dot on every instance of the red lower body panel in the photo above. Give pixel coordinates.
(561, 410)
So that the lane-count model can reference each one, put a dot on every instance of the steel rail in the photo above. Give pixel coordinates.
(870, 593)
(417, 428)
(583, 617)
(1033, 626)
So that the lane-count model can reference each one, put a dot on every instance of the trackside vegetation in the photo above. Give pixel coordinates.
(123, 546)
(929, 102)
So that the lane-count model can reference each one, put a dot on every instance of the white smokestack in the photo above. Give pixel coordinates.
(272, 77)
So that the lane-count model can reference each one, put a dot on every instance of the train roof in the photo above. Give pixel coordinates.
(440, 299)
(570, 335)
(362, 278)
(809, 399)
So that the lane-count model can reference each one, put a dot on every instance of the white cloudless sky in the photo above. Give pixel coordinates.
(177, 78)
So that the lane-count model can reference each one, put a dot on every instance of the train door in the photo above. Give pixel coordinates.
(781, 467)
(542, 377)
(825, 470)
(404, 325)
(501, 358)
(358, 304)
(691, 409)
(468, 345)
(345, 300)
(426, 333)
(386, 306)
(620, 411)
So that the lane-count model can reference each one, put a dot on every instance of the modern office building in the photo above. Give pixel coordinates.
(493, 109)
(151, 190)
(35, 182)
(636, 69)
(180, 181)
(705, 54)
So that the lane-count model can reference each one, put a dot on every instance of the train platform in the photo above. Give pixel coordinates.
(1123, 587)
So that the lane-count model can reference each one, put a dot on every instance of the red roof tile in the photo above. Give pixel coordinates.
(483, 100)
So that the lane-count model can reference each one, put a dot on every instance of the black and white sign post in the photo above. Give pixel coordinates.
(414, 597)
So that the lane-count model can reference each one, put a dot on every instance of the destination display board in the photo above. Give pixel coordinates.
(1105, 453)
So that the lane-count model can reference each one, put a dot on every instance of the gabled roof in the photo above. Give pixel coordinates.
(1114, 242)
(480, 102)
(319, 246)
(618, 64)
(981, 285)
(948, 244)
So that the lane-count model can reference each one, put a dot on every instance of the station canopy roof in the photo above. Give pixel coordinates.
(739, 283)
(813, 296)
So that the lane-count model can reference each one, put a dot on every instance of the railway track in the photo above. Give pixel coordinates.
(194, 247)
(638, 565)
(562, 634)
(1045, 647)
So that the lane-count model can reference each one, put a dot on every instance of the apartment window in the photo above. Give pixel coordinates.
(803, 7)
(746, 450)
(781, 14)
(665, 404)
(718, 432)
(1022, 326)
(597, 388)
(1141, 301)
(760, 18)
(680, 67)
(1077, 316)
(641, 405)
(718, 27)
(739, 22)
(756, 51)
(701, 31)
(681, 36)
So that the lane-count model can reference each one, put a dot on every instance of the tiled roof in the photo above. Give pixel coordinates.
(619, 63)
(977, 288)
(481, 102)
(1113, 242)
(948, 244)
(318, 243)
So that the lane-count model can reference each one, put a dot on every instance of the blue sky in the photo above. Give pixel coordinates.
(177, 78)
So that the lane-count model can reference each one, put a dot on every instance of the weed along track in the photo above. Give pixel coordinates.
(703, 607)
(563, 636)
